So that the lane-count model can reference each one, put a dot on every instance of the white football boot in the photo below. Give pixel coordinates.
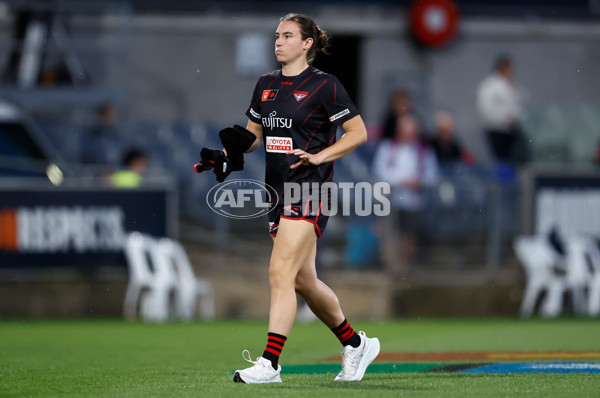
(261, 372)
(356, 360)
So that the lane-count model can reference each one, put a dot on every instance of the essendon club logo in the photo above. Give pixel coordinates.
(269, 95)
(300, 95)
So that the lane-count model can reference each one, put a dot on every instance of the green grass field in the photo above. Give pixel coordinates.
(118, 358)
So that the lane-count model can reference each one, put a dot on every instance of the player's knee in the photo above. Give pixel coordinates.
(279, 275)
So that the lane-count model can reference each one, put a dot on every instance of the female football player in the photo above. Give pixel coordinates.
(295, 112)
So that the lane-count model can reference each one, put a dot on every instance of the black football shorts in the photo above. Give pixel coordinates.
(306, 211)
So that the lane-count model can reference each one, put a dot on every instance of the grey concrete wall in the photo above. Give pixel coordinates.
(556, 64)
(182, 68)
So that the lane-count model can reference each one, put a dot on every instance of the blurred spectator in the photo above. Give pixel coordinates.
(101, 144)
(410, 166)
(136, 164)
(500, 104)
(445, 144)
(401, 104)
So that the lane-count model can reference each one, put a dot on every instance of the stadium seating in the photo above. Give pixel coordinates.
(560, 133)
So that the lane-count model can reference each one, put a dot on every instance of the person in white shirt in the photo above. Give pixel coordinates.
(411, 167)
(499, 101)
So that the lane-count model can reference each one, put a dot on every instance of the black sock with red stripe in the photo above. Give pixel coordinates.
(346, 334)
(273, 349)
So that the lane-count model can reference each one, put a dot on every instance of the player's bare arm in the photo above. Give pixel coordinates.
(255, 129)
(355, 135)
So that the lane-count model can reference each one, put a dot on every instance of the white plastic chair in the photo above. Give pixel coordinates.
(593, 280)
(578, 275)
(141, 276)
(151, 282)
(539, 259)
(189, 288)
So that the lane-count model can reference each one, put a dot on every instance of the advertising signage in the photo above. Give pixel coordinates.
(70, 227)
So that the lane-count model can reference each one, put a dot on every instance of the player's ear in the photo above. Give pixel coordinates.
(308, 43)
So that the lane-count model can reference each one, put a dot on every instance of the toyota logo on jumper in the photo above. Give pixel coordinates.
(242, 199)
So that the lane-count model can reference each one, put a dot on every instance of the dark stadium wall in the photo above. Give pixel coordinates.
(186, 71)
(183, 68)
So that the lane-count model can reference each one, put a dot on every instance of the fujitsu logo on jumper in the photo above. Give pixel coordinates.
(276, 122)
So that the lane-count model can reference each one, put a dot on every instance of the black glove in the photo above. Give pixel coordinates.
(216, 160)
(236, 140)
